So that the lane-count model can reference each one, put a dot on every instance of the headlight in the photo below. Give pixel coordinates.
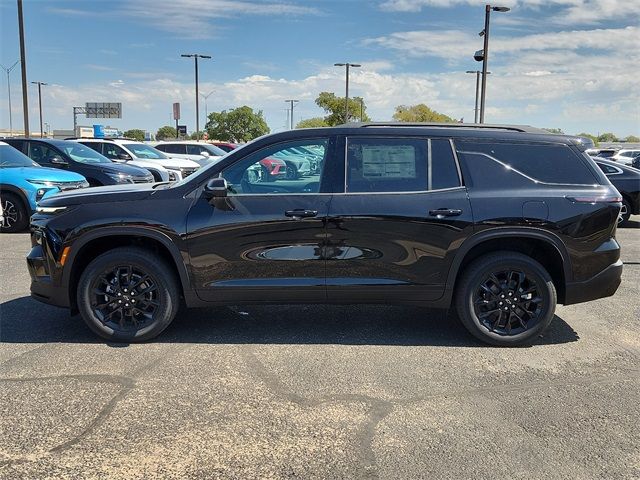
(50, 210)
(45, 183)
(174, 174)
(120, 177)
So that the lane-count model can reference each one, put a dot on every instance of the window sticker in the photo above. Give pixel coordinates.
(385, 161)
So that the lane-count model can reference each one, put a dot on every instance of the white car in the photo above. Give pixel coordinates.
(122, 150)
(201, 152)
(626, 156)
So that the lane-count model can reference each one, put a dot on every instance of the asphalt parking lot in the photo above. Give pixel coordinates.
(319, 392)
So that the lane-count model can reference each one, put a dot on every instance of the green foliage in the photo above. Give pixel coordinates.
(239, 125)
(420, 113)
(592, 137)
(554, 130)
(607, 137)
(632, 139)
(135, 133)
(315, 122)
(193, 136)
(166, 132)
(334, 107)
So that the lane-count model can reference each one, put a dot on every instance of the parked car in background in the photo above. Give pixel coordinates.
(601, 152)
(626, 156)
(627, 180)
(125, 149)
(200, 152)
(75, 157)
(115, 154)
(23, 183)
(500, 222)
(226, 146)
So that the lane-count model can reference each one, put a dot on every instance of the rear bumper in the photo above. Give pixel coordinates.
(42, 287)
(604, 284)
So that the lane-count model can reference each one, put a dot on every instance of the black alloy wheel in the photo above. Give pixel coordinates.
(15, 216)
(128, 294)
(625, 213)
(506, 298)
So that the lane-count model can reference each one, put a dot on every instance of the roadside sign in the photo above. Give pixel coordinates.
(182, 129)
(176, 111)
(103, 110)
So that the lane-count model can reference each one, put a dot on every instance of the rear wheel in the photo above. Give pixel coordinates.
(128, 294)
(506, 299)
(15, 216)
(625, 213)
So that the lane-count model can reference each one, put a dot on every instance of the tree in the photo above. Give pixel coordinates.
(334, 106)
(135, 133)
(420, 113)
(166, 132)
(554, 130)
(607, 137)
(193, 136)
(632, 139)
(238, 125)
(592, 137)
(312, 123)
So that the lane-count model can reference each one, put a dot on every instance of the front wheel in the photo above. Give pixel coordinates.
(506, 299)
(15, 216)
(128, 294)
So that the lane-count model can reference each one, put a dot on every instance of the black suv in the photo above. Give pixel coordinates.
(502, 222)
(75, 157)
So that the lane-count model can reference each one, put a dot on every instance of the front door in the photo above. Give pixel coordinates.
(396, 227)
(264, 241)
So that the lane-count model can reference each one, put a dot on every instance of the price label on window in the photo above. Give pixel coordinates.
(388, 161)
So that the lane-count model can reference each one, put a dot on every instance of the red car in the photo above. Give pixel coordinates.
(227, 147)
(272, 168)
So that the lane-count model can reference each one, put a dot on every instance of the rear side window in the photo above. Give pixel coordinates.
(399, 165)
(544, 163)
(172, 148)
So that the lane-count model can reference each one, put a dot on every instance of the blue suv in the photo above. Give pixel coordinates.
(23, 183)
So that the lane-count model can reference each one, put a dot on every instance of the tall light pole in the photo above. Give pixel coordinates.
(8, 70)
(195, 56)
(475, 110)
(485, 56)
(346, 96)
(206, 111)
(40, 103)
(292, 103)
(23, 64)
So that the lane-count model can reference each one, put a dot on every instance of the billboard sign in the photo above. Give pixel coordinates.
(182, 129)
(103, 110)
(176, 111)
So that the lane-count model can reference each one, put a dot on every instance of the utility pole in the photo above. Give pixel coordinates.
(346, 96)
(291, 102)
(23, 62)
(40, 103)
(195, 56)
(8, 70)
(476, 110)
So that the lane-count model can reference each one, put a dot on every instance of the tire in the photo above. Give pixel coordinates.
(292, 172)
(522, 306)
(625, 213)
(154, 310)
(267, 175)
(15, 213)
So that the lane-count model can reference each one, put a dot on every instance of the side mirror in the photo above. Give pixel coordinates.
(204, 153)
(124, 156)
(58, 161)
(216, 188)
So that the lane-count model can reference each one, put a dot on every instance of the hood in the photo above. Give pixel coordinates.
(114, 167)
(183, 162)
(44, 174)
(111, 193)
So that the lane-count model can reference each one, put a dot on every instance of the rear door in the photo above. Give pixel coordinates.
(395, 229)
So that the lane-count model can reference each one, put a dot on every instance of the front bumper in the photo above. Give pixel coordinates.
(604, 284)
(42, 286)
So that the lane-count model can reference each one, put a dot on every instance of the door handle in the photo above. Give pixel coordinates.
(301, 213)
(445, 212)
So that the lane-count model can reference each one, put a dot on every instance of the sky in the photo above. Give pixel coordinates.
(569, 64)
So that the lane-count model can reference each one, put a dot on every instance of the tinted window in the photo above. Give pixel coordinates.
(268, 171)
(141, 150)
(545, 163)
(195, 150)
(172, 148)
(10, 157)
(93, 145)
(82, 154)
(42, 153)
(443, 171)
(17, 144)
(607, 168)
(111, 150)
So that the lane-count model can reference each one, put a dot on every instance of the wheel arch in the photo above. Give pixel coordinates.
(16, 191)
(543, 247)
(102, 240)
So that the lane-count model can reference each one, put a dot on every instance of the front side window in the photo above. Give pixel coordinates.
(195, 150)
(41, 153)
(140, 150)
(83, 154)
(399, 165)
(111, 150)
(272, 171)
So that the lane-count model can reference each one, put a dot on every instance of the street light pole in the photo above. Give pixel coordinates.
(195, 56)
(485, 58)
(206, 111)
(475, 110)
(40, 103)
(8, 70)
(292, 103)
(23, 64)
(346, 96)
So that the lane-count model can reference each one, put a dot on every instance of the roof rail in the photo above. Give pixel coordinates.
(513, 128)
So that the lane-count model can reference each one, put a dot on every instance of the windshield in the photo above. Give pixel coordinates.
(213, 150)
(82, 154)
(10, 157)
(140, 150)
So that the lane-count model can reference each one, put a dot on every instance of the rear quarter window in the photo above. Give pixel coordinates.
(541, 162)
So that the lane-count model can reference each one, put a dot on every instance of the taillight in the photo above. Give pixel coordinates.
(596, 199)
